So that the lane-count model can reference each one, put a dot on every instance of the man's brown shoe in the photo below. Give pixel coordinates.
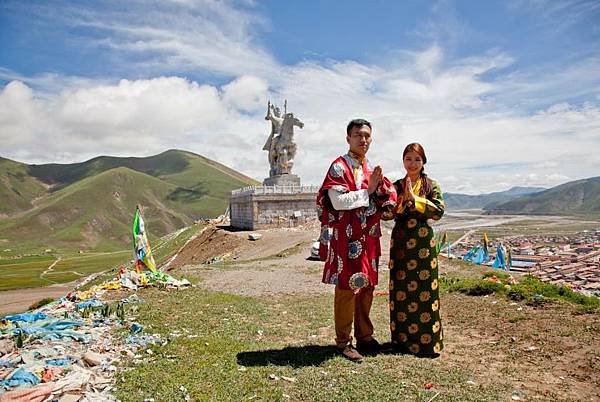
(351, 354)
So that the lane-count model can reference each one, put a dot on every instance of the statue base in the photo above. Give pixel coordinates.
(282, 180)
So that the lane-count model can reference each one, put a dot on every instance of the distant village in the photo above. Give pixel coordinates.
(568, 260)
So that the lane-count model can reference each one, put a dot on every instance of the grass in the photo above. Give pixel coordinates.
(232, 346)
(532, 227)
(92, 203)
(529, 289)
(26, 272)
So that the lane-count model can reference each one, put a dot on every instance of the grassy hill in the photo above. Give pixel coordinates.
(89, 205)
(17, 187)
(578, 198)
(464, 201)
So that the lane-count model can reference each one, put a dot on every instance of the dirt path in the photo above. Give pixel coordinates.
(19, 300)
(50, 269)
(278, 263)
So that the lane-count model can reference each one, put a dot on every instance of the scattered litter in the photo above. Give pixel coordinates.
(433, 397)
(135, 328)
(38, 393)
(92, 359)
(70, 398)
(254, 236)
(242, 368)
(288, 379)
(26, 317)
(68, 350)
(186, 395)
(428, 385)
(7, 346)
(471, 382)
(520, 308)
(273, 377)
(20, 377)
(517, 396)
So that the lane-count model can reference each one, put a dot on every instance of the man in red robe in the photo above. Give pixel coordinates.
(350, 203)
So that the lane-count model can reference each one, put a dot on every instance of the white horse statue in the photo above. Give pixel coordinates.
(280, 144)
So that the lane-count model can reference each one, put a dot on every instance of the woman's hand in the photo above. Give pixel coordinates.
(409, 195)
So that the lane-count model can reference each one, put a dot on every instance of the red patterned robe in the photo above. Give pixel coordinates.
(350, 239)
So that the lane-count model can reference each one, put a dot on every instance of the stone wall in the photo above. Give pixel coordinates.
(269, 206)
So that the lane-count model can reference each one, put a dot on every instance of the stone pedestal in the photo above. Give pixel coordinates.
(282, 180)
(261, 207)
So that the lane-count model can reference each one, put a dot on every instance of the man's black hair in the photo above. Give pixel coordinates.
(357, 123)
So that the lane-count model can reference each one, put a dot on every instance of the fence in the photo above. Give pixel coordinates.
(264, 190)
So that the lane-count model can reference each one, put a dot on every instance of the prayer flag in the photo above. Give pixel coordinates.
(141, 247)
(486, 255)
(500, 261)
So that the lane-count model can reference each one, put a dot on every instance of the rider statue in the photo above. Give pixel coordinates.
(280, 144)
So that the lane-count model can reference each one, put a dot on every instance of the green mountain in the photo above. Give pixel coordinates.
(90, 205)
(577, 198)
(18, 189)
(464, 201)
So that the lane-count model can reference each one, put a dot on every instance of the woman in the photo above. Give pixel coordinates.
(414, 295)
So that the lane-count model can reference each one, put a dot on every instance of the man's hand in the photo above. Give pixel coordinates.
(375, 179)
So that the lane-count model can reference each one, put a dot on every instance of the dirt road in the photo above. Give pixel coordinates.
(278, 263)
(19, 300)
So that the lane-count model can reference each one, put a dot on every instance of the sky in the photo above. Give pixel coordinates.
(500, 93)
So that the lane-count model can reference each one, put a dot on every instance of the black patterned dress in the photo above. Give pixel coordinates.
(415, 321)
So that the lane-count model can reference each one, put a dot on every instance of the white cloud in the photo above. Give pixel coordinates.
(208, 35)
(480, 134)
(246, 93)
(477, 150)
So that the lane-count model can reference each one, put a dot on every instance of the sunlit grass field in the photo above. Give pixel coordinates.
(33, 270)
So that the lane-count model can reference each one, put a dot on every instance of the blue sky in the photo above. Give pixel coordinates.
(500, 93)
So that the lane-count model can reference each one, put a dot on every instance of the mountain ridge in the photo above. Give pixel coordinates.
(578, 197)
(89, 205)
(480, 201)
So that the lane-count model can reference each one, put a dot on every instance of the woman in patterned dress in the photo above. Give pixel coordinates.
(415, 321)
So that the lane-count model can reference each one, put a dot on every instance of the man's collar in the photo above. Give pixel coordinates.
(355, 159)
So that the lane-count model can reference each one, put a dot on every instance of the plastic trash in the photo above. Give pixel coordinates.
(136, 328)
(26, 317)
(19, 378)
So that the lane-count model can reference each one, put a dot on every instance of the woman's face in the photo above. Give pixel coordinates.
(413, 163)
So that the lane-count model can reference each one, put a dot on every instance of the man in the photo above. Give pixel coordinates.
(350, 203)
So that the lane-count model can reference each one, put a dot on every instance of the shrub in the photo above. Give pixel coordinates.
(529, 289)
(41, 303)
(472, 287)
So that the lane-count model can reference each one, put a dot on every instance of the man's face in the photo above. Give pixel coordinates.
(359, 139)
